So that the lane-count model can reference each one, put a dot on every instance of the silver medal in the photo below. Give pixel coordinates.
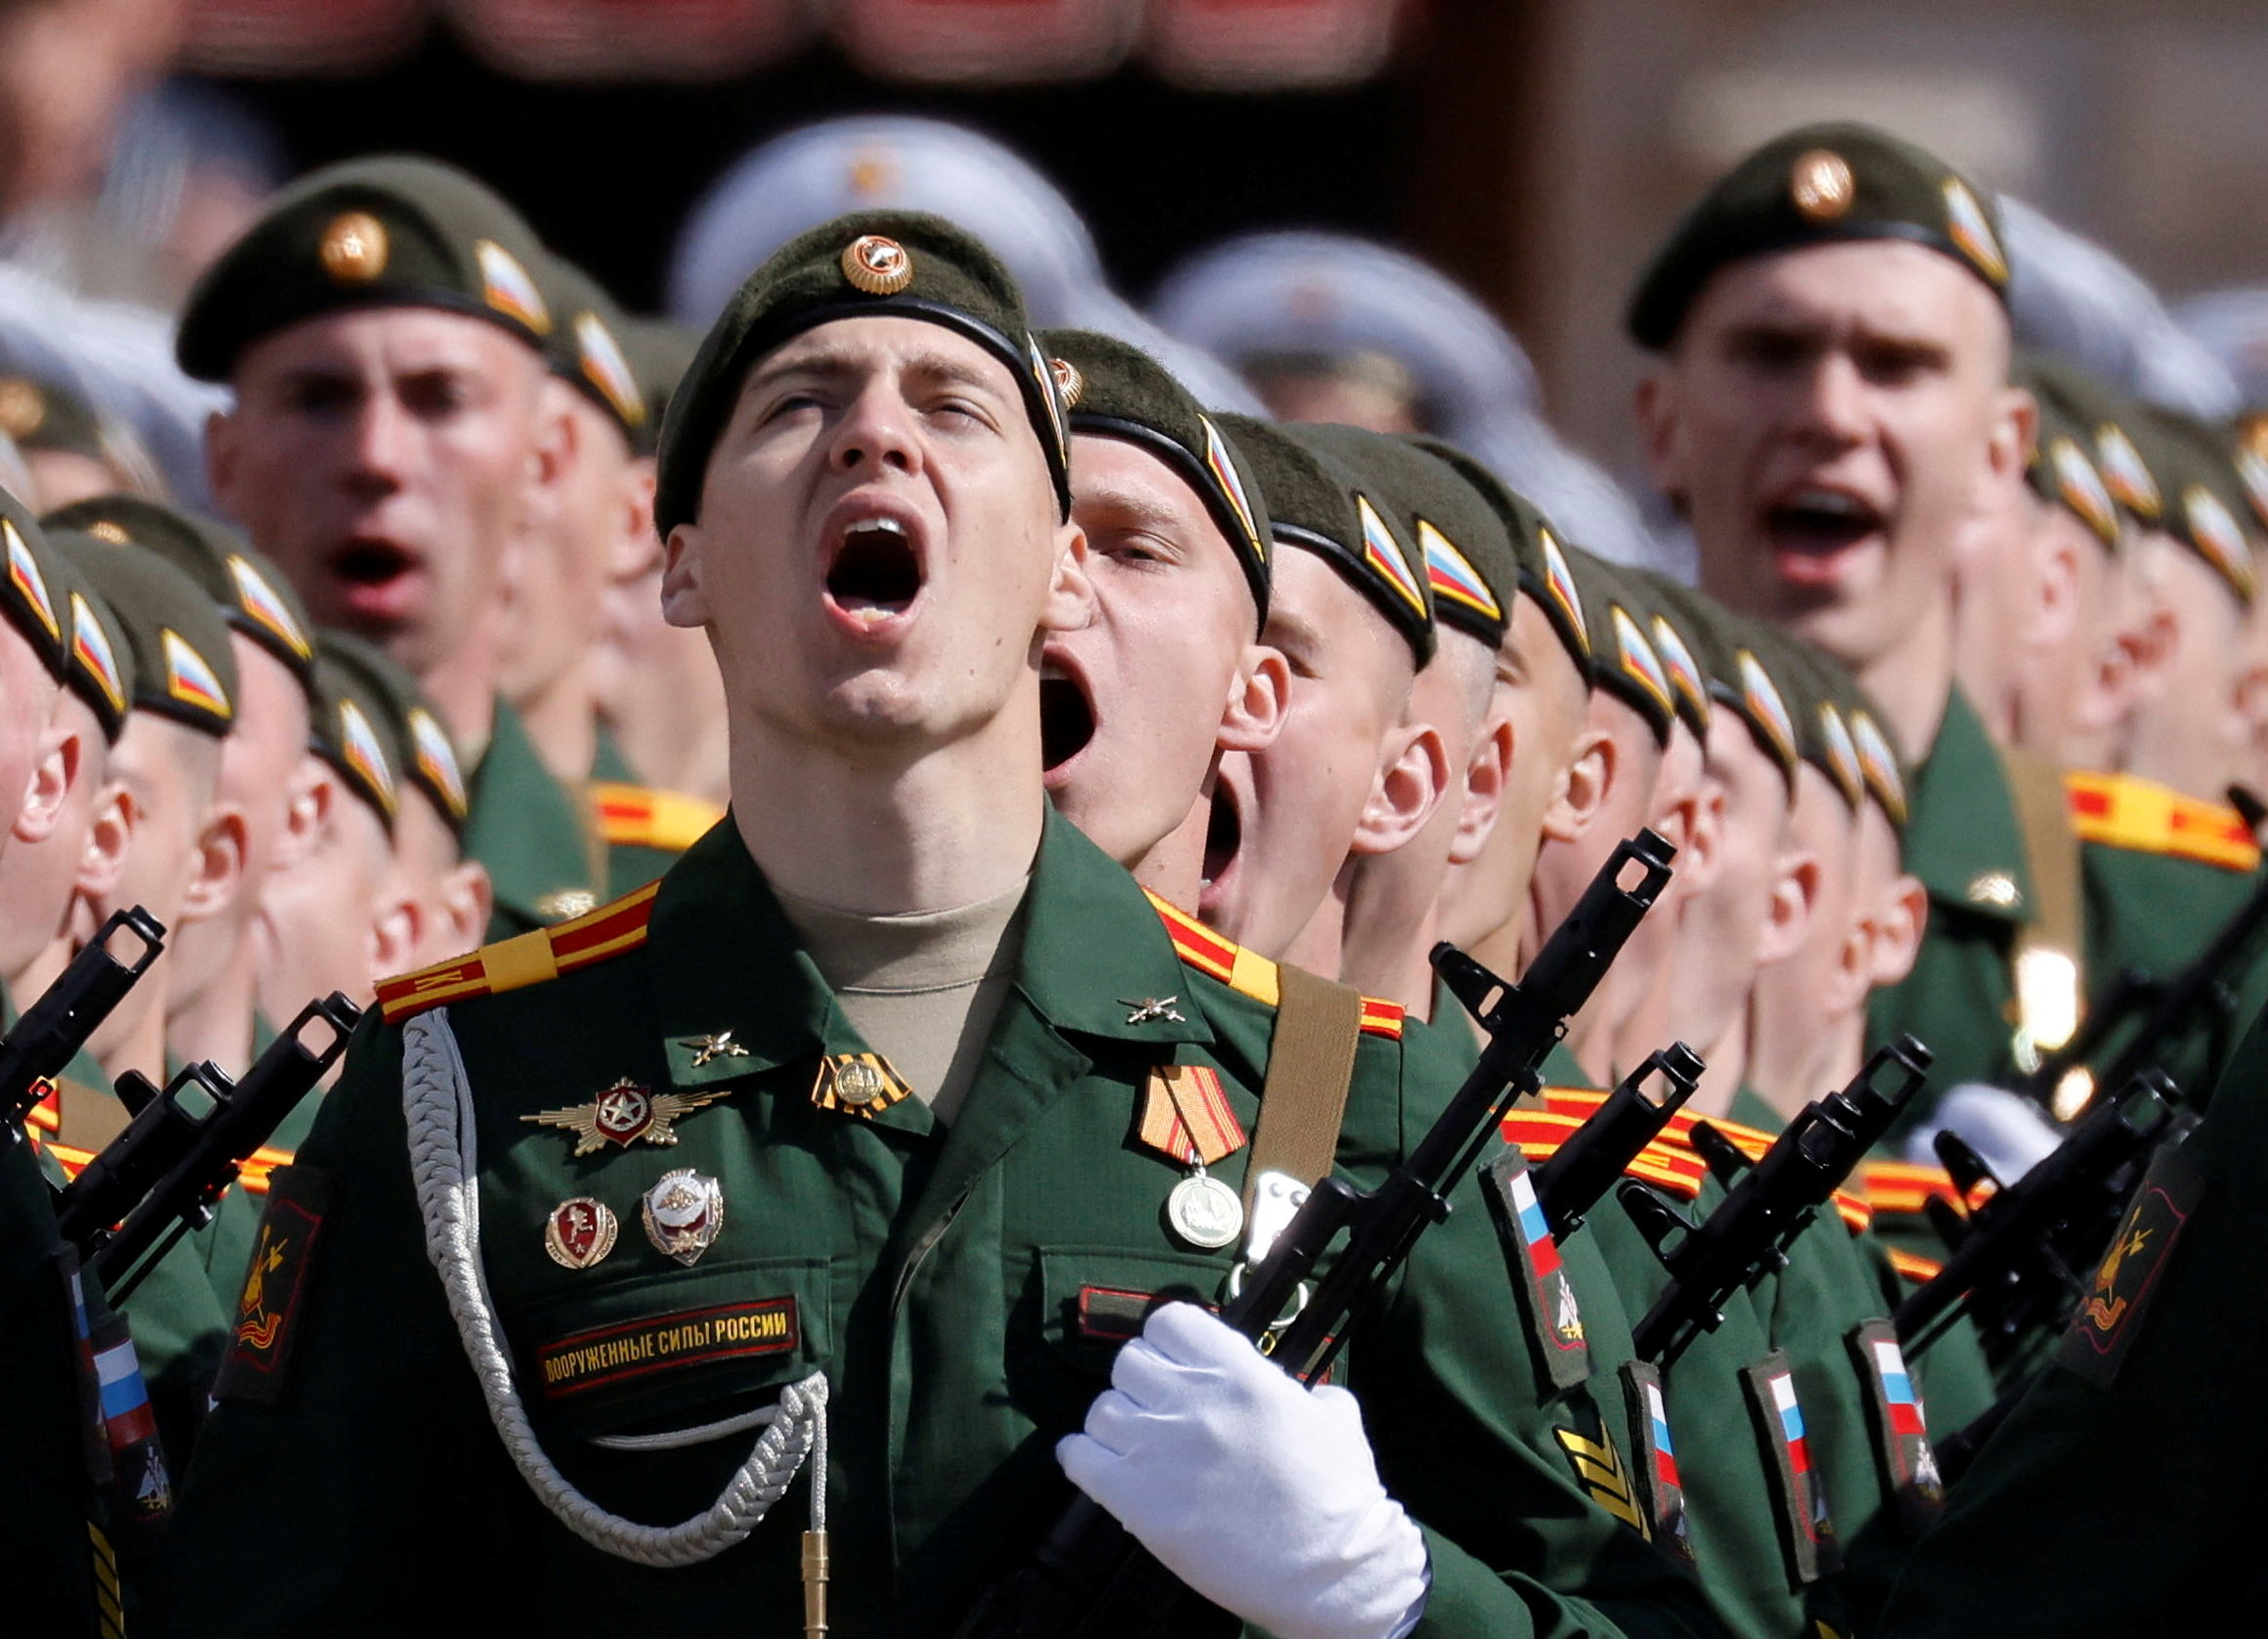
(1205, 1211)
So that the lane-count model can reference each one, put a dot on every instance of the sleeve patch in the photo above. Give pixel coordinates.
(2110, 1313)
(275, 1288)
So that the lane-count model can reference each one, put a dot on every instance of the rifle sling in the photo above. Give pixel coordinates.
(1310, 1065)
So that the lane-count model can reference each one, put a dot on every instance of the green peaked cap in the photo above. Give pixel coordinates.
(868, 264)
(386, 232)
(1116, 390)
(1825, 184)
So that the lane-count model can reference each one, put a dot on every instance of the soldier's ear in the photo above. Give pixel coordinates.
(110, 832)
(1661, 431)
(467, 897)
(1257, 697)
(1899, 924)
(61, 765)
(1487, 777)
(1413, 778)
(1591, 775)
(2055, 587)
(1795, 878)
(2015, 426)
(219, 851)
(1070, 592)
(683, 603)
(396, 925)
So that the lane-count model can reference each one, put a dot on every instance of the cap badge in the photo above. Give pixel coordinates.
(862, 1083)
(2081, 488)
(103, 529)
(877, 265)
(1841, 754)
(505, 286)
(359, 746)
(682, 1213)
(1678, 660)
(1224, 470)
(31, 585)
(261, 602)
(2214, 527)
(90, 647)
(580, 1232)
(1880, 765)
(1452, 575)
(1384, 555)
(2126, 472)
(1068, 382)
(1762, 698)
(22, 407)
(625, 1113)
(1559, 581)
(606, 368)
(1972, 231)
(437, 761)
(1640, 664)
(1821, 185)
(353, 248)
(190, 676)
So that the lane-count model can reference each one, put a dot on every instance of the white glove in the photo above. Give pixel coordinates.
(1260, 1494)
(2004, 1128)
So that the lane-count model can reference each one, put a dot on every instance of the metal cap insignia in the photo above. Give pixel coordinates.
(1820, 184)
(353, 250)
(877, 265)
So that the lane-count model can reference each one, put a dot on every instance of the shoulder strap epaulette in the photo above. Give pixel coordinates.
(1540, 1128)
(253, 1176)
(2120, 810)
(1249, 973)
(1913, 1266)
(528, 958)
(69, 1158)
(1906, 1187)
(648, 816)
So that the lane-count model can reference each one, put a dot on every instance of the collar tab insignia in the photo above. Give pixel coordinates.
(715, 1044)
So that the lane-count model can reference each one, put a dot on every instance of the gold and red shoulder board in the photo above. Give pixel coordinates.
(530, 958)
(258, 1165)
(2120, 810)
(1906, 1187)
(1540, 1128)
(647, 817)
(46, 1118)
(1249, 973)
(1913, 1266)
(70, 1157)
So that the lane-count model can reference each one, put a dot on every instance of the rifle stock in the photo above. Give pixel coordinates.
(53, 1029)
(162, 1176)
(1767, 1204)
(1090, 1579)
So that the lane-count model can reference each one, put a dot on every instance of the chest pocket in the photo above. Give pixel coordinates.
(1092, 1300)
(672, 1352)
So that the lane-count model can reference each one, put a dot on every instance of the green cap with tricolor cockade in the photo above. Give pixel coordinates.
(1114, 390)
(1822, 731)
(354, 729)
(253, 595)
(424, 753)
(1387, 563)
(183, 667)
(2206, 508)
(1464, 554)
(2065, 469)
(870, 264)
(1882, 771)
(587, 348)
(1623, 659)
(1673, 646)
(102, 661)
(1315, 502)
(386, 232)
(1540, 561)
(28, 590)
(1737, 657)
(1823, 184)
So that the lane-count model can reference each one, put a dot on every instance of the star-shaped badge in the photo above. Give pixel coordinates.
(624, 1113)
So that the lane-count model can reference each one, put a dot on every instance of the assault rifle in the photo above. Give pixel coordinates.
(1090, 1579)
(54, 1028)
(1767, 1205)
(162, 1176)
(1587, 1165)
(2021, 1257)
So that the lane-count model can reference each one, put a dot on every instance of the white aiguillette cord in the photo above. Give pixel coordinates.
(444, 1165)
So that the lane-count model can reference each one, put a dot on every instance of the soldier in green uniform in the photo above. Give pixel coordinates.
(1830, 411)
(211, 1003)
(865, 495)
(394, 428)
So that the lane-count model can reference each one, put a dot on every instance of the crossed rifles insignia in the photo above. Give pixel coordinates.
(624, 1113)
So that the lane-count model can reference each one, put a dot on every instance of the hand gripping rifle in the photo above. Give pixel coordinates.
(54, 1028)
(162, 1176)
(1767, 1205)
(2021, 1257)
(1090, 1579)
(1596, 1155)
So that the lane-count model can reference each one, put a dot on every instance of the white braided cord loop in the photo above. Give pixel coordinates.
(444, 1166)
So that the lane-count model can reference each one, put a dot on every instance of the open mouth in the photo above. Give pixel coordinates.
(876, 573)
(369, 562)
(1812, 525)
(1066, 718)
